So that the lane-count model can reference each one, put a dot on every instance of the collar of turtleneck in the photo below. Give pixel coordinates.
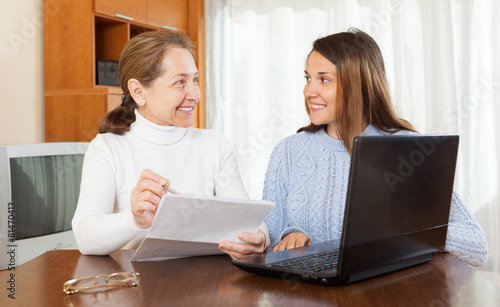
(156, 134)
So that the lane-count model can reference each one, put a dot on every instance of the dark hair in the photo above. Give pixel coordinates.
(362, 88)
(141, 59)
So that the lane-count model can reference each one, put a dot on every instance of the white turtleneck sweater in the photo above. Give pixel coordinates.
(196, 161)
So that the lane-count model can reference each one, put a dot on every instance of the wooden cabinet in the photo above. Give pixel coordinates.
(68, 46)
(131, 10)
(171, 14)
(110, 37)
(73, 115)
(85, 32)
(168, 14)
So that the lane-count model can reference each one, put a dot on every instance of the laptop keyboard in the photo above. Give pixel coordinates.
(321, 262)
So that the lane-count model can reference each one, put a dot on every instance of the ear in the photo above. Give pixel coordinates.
(137, 91)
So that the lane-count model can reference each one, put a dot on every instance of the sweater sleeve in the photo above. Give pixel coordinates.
(465, 238)
(275, 190)
(97, 229)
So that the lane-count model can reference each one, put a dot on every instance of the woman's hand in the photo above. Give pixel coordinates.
(145, 197)
(255, 244)
(292, 240)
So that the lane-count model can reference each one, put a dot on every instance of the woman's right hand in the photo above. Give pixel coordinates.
(145, 197)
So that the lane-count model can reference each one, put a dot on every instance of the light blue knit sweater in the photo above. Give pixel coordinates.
(307, 179)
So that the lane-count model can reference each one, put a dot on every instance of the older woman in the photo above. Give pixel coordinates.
(147, 144)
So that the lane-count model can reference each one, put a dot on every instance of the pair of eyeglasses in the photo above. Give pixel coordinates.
(120, 279)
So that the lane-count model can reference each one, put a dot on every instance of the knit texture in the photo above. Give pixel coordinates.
(307, 178)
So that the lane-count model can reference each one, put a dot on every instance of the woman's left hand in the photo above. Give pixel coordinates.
(255, 244)
(292, 240)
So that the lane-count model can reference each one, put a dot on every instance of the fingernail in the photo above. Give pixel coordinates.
(163, 181)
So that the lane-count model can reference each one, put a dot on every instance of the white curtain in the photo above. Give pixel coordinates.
(442, 60)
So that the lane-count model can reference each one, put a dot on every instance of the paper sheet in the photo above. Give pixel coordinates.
(188, 225)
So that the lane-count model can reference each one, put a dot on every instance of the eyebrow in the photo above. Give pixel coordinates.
(186, 75)
(322, 73)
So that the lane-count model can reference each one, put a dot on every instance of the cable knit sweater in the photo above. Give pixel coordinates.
(307, 178)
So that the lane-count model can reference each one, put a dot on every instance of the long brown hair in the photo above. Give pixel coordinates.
(362, 88)
(141, 59)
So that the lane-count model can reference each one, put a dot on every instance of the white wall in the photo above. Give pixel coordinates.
(21, 72)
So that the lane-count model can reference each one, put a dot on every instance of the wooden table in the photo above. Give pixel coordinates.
(214, 281)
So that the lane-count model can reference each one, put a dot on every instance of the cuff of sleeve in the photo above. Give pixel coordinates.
(288, 231)
(129, 217)
(265, 230)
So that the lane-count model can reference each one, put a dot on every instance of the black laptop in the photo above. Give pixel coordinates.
(396, 215)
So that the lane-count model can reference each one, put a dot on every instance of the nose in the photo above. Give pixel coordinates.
(192, 91)
(310, 90)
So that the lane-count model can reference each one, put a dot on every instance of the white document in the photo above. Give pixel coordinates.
(188, 225)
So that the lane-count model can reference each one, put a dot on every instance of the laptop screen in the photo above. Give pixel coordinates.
(399, 197)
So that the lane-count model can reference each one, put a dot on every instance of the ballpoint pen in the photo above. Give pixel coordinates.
(169, 189)
(172, 191)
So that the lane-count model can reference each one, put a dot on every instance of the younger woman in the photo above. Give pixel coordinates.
(346, 95)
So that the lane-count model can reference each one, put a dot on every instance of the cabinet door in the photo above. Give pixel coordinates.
(133, 10)
(68, 46)
(168, 13)
(73, 118)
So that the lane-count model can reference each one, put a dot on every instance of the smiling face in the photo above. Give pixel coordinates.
(172, 97)
(320, 91)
